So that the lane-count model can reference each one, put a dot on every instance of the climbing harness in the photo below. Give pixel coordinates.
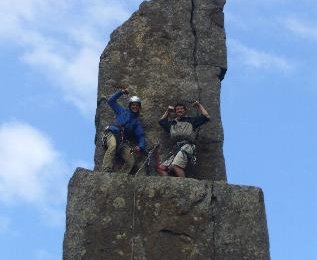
(120, 137)
(192, 158)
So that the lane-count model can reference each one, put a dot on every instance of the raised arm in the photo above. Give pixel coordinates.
(112, 101)
(201, 109)
(203, 118)
(164, 122)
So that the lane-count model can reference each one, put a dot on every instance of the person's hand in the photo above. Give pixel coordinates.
(136, 149)
(170, 109)
(196, 104)
(125, 91)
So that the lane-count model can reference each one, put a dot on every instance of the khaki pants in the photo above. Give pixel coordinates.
(130, 160)
(108, 158)
(181, 158)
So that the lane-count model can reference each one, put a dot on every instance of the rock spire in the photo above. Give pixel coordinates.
(168, 51)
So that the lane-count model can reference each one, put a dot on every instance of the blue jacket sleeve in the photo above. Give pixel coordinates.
(112, 102)
(139, 135)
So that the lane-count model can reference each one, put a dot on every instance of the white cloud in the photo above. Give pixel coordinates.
(258, 59)
(63, 40)
(304, 29)
(76, 76)
(32, 172)
(18, 15)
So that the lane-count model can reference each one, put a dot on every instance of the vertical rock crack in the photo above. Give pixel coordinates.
(194, 32)
(213, 199)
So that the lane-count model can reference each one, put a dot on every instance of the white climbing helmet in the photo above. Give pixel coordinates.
(134, 99)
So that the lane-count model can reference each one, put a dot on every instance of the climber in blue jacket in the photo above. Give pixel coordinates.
(119, 135)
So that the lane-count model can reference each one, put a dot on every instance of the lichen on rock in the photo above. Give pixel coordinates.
(186, 219)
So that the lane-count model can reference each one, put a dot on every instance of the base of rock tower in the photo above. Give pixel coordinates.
(112, 216)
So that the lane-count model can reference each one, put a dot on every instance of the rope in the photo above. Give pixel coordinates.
(133, 220)
(150, 153)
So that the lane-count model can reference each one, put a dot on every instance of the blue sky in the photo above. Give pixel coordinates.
(48, 76)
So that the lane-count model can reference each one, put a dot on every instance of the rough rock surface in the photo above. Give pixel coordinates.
(174, 218)
(169, 51)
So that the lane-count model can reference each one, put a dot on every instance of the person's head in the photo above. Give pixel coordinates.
(180, 109)
(135, 104)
